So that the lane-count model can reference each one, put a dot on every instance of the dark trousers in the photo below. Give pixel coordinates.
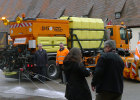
(108, 96)
(42, 71)
(62, 76)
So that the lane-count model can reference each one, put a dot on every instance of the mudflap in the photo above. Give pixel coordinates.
(14, 75)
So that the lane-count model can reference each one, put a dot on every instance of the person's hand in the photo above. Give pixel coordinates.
(56, 64)
(93, 88)
(46, 65)
(91, 74)
(34, 64)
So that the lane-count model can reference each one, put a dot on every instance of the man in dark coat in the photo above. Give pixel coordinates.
(41, 61)
(108, 74)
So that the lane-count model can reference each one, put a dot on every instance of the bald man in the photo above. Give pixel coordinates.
(41, 62)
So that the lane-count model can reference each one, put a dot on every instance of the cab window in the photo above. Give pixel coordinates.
(111, 31)
(123, 33)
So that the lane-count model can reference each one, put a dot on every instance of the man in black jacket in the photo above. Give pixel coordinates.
(108, 74)
(41, 61)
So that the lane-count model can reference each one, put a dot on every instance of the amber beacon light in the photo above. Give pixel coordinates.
(19, 19)
(5, 21)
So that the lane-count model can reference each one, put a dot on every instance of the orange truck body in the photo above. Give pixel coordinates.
(31, 29)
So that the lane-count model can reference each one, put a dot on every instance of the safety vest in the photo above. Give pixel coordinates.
(137, 53)
(61, 55)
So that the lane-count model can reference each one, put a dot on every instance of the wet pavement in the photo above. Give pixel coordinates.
(11, 89)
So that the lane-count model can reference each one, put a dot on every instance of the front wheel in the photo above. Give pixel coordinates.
(53, 71)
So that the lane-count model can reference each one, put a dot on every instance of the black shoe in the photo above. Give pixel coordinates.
(61, 82)
(43, 81)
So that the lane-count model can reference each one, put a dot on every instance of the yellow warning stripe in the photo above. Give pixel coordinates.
(9, 73)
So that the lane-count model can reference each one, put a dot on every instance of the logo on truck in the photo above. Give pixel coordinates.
(52, 28)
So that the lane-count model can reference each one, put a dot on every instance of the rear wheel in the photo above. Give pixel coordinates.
(53, 71)
(2, 61)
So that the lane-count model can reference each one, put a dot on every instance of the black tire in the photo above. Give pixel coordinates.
(2, 61)
(53, 71)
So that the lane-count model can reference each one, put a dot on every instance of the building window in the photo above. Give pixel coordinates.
(119, 8)
(117, 15)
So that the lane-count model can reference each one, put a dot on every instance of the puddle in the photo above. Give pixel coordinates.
(20, 92)
(49, 93)
(16, 90)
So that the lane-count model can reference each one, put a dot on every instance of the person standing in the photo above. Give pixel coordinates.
(61, 54)
(108, 74)
(76, 86)
(41, 61)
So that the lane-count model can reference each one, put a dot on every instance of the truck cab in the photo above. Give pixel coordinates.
(121, 34)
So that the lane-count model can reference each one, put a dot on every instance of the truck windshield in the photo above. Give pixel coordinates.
(123, 33)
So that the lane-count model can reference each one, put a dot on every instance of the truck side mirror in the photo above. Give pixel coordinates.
(129, 31)
(107, 34)
(126, 41)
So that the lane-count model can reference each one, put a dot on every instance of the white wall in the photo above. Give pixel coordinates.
(135, 38)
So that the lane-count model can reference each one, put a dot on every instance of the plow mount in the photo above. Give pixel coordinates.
(131, 70)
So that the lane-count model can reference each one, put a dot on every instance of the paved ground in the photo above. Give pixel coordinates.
(11, 89)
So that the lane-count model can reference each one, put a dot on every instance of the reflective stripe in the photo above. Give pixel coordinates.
(17, 25)
(30, 24)
(134, 65)
(23, 24)
(136, 57)
(9, 73)
(126, 64)
(26, 24)
(133, 71)
(60, 60)
(134, 68)
(61, 56)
